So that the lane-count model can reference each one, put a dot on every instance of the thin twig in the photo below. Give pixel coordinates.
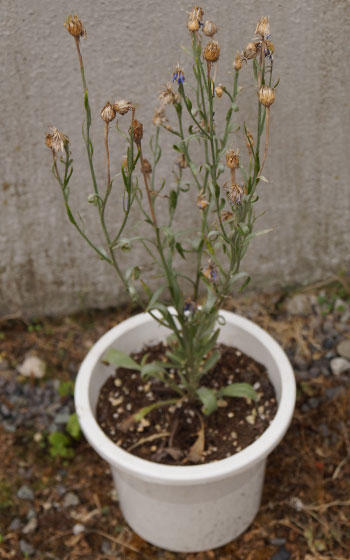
(147, 188)
(107, 156)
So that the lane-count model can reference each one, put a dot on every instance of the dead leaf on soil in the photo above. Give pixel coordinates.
(195, 453)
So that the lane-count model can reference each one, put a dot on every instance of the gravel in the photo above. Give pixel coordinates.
(25, 493)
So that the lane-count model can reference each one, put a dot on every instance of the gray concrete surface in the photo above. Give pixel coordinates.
(131, 50)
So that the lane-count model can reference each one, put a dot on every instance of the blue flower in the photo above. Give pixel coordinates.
(178, 75)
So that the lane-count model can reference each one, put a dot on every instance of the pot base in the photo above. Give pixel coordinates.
(215, 512)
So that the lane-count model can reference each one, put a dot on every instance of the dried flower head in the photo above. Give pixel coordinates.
(108, 113)
(232, 159)
(181, 161)
(269, 49)
(235, 193)
(146, 167)
(193, 24)
(249, 141)
(190, 305)
(168, 96)
(226, 216)
(122, 107)
(250, 51)
(56, 141)
(137, 130)
(159, 117)
(219, 91)
(212, 51)
(211, 272)
(238, 63)
(209, 29)
(75, 27)
(263, 28)
(266, 96)
(202, 202)
(196, 13)
(178, 75)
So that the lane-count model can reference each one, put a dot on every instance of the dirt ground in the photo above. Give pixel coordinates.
(305, 510)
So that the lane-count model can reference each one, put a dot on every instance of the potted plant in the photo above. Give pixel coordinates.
(194, 501)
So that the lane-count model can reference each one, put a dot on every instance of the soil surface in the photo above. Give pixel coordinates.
(180, 433)
(56, 496)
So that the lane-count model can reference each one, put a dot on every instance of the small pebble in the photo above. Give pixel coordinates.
(343, 349)
(25, 493)
(230, 414)
(32, 367)
(117, 382)
(250, 419)
(281, 554)
(78, 528)
(71, 500)
(339, 366)
(278, 541)
(299, 305)
(16, 524)
(26, 548)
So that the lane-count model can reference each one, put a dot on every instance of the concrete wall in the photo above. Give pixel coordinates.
(131, 49)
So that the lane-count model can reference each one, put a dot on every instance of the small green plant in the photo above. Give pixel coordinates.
(219, 183)
(66, 388)
(61, 443)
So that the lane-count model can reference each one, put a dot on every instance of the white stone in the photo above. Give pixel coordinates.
(32, 367)
(78, 528)
(299, 305)
(343, 348)
(339, 365)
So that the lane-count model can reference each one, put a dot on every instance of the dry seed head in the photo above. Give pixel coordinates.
(137, 129)
(193, 24)
(146, 167)
(235, 193)
(211, 272)
(270, 46)
(209, 29)
(212, 51)
(238, 63)
(250, 136)
(181, 161)
(168, 96)
(225, 215)
(108, 113)
(219, 91)
(266, 96)
(202, 202)
(250, 51)
(56, 140)
(263, 28)
(122, 106)
(196, 13)
(75, 27)
(159, 117)
(232, 159)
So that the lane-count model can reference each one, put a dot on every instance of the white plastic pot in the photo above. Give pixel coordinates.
(187, 508)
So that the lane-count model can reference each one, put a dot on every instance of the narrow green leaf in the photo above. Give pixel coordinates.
(154, 298)
(208, 398)
(211, 361)
(120, 359)
(180, 250)
(238, 390)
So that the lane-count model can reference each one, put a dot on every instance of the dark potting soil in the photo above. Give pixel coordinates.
(180, 434)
